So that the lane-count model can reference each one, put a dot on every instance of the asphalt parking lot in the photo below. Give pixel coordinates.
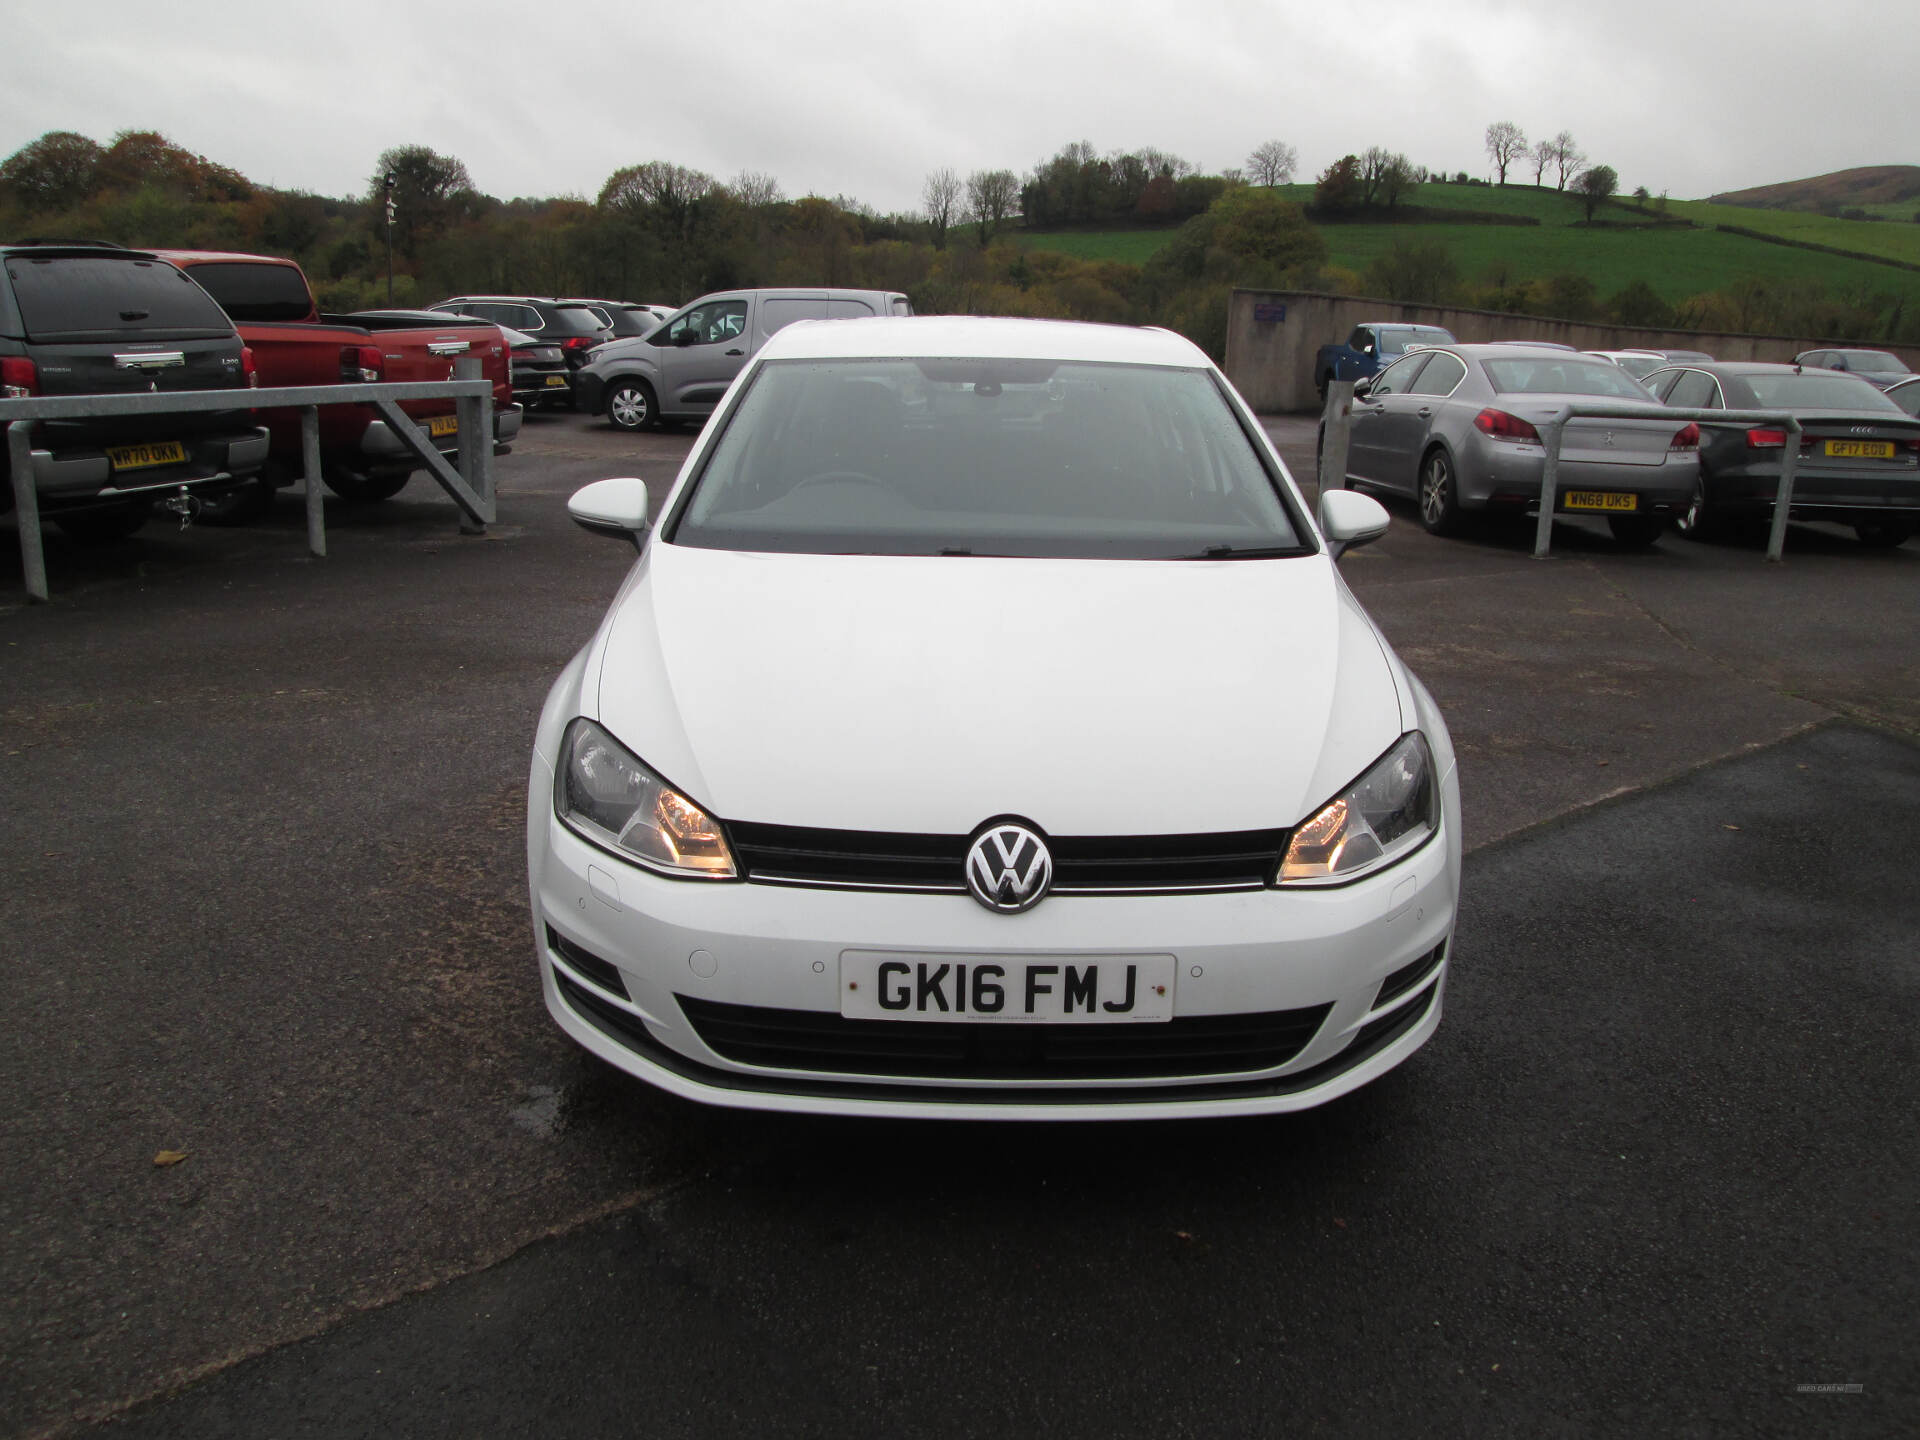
(267, 907)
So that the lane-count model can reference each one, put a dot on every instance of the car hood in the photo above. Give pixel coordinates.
(928, 695)
(632, 348)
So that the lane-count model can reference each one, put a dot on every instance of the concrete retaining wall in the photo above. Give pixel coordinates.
(1274, 335)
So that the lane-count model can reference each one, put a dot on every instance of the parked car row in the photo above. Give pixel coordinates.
(1457, 429)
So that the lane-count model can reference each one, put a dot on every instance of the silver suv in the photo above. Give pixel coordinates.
(680, 371)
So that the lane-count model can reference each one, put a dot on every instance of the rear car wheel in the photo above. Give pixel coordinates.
(1884, 534)
(1439, 496)
(366, 489)
(630, 406)
(107, 523)
(1636, 532)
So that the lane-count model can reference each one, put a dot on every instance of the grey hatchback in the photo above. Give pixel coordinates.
(1457, 428)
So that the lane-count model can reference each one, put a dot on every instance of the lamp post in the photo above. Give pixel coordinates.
(390, 179)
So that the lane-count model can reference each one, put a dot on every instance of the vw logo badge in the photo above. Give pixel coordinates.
(1009, 868)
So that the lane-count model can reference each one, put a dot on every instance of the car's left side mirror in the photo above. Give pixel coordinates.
(616, 507)
(1348, 518)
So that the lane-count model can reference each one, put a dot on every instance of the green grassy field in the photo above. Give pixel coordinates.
(1676, 262)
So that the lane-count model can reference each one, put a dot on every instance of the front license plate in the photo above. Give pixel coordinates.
(443, 425)
(1056, 990)
(556, 379)
(1860, 449)
(1599, 500)
(140, 457)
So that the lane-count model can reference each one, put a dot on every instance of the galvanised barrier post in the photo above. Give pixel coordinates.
(1336, 431)
(470, 486)
(1554, 434)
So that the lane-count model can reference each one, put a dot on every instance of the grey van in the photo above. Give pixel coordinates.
(680, 371)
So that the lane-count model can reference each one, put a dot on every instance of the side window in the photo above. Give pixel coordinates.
(1443, 372)
(848, 309)
(779, 311)
(1693, 391)
(1660, 382)
(1395, 379)
(494, 313)
(902, 306)
(709, 324)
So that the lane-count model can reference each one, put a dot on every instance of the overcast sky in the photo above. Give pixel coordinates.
(846, 97)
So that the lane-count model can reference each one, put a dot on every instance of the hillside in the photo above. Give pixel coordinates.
(1866, 187)
(1676, 261)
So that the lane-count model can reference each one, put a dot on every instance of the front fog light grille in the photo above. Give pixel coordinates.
(586, 964)
(1410, 975)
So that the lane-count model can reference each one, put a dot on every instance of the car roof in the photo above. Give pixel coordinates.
(202, 257)
(63, 250)
(971, 337)
(1518, 350)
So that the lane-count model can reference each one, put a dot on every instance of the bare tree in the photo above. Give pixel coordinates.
(1567, 158)
(1506, 143)
(1542, 156)
(1397, 177)
(1273, 163)
(754, 189)
(941, 197)
(1373, 165)
(991, 195)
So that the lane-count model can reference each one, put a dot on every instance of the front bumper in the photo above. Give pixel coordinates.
(381, 446)
(619, 947)
(589, 392)
(84, 476)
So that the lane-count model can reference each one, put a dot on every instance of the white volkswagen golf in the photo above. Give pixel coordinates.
(985, 731)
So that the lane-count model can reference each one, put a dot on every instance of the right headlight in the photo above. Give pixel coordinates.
(1387, 813)
(608, 795)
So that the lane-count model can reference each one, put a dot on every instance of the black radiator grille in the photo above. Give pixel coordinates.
(819, 1040)
(1082, 864)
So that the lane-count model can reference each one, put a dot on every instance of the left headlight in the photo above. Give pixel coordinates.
(1387, 813)
(604, 792)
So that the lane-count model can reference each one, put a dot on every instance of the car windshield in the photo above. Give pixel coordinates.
(1640, 366)
(101, 297)
(987, 457)
(574, 320)
(1393, 342)
(1876, 362)
(631, 320)
(1815, 391)
(1563, 375)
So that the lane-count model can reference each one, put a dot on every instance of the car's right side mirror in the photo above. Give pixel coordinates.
(1348, 518)
(616, 508)
(1363, 387)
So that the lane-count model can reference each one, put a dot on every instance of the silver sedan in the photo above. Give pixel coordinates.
(1457, 428)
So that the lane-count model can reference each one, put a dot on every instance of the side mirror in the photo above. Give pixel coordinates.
(1363, 387)
(612, 507)
(1348, 518)
(685, 337)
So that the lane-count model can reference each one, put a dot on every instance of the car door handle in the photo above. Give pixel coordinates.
(1424, 412)
(736, 352)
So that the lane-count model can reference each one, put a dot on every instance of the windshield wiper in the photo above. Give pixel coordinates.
(1247, 552)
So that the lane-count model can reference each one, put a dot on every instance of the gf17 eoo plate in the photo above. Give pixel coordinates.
(1025, 989)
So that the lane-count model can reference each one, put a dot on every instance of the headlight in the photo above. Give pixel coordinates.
(606, 794)
(1385, 814)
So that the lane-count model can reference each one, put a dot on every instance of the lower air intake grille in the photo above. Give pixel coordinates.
(821, 1041)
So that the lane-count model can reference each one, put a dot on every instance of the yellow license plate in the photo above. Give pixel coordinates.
(1860, 449)
(556, 379)
(139, 457)
(441, 425)
(1599, 500)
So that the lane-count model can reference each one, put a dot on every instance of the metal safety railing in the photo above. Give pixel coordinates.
(1337, 418)
(469, 481)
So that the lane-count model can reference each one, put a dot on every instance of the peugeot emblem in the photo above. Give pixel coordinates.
(1008, 867)
(1609, 437)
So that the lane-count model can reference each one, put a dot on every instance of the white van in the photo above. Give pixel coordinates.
(680, 371)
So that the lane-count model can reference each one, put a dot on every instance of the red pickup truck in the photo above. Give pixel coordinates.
(272, 306)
